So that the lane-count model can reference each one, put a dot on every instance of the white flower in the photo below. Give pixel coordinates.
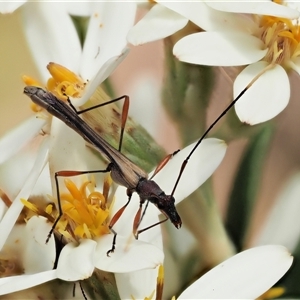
(30, 239)
(130, 254)
(67, 151)
(10, 6)
(19, 184)
(167, 17)
(269, 37)
(259, 42)
(52, 37)
(247, 275)
(158, 23)
(206, 158)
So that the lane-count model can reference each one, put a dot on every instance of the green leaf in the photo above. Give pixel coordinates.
(186, 93)
(101, 285)
(290, 281)
(138, 145)
(246, 185)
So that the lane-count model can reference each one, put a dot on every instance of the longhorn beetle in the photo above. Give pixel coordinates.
(123, 171)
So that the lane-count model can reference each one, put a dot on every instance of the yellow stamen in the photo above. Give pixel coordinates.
(272, 293)
(282, 37)
(35, 108)
(70, 185)
(61, 73)
(31, 81)
(85, 214)
(64, 82)
(33, 209)
(49, 209)
(160, 282)
(106, 186)
(30, 205)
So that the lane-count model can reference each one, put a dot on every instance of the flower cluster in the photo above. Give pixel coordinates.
(231, 34)
(63, 216)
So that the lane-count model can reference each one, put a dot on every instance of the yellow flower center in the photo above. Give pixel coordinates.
(63, 83)
(281, 37)
(86, 214)
(85, 211)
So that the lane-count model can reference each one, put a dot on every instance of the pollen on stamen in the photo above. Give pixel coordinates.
(281, 36)
(86, 211)
(64, 83)
(36, 207)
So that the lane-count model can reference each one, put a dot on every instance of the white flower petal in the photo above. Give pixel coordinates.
(282, 225)
(130, 255)
(13, 212)
(158, 23)
(219, 49)
(107, 69)
(200, 167)
(17, 138)
(294, 63)
(51, 36)
(22, 282)
(63, 157)
(121, 199)
(208, 18)
(268, 8)
(148, 88)
(106, 36)
(246, 275)
(63, 142)
(26, 159)
(76, 262)
(82, 8)
(136, 284)
(38, 256)
(43, 185)
(293, 4)
(7, 7)
(124, 225)
(26, 246)
(202, 164)
(266, 98)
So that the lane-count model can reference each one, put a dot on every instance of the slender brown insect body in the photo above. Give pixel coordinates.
(123, 171)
